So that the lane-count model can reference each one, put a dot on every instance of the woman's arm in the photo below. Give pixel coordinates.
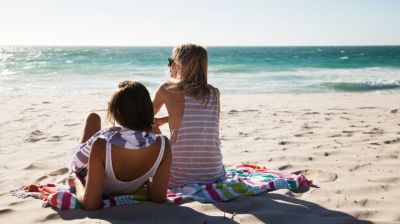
(158, 100)
(90, 195)
(161, 121)
(157, 188)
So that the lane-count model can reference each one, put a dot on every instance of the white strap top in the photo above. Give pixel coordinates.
(114, 186)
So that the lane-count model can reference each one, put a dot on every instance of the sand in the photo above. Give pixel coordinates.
(347, 143)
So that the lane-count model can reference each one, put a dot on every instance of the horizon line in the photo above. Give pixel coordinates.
(317, 45)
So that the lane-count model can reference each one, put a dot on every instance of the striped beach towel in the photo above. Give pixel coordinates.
(246, 179)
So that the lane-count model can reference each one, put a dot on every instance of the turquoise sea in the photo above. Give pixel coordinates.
(234, 70)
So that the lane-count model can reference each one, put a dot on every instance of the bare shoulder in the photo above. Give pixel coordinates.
(165, 89)
(168, 91)
(170, 86)
(98, 149)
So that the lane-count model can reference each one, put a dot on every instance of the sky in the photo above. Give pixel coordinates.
(205, 22)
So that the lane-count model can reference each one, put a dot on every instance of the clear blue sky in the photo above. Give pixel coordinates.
(207, 22)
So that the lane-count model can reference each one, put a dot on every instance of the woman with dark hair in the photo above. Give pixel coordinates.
(121, 159)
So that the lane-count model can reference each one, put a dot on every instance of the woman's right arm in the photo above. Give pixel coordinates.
(90, 194)
(157, 188)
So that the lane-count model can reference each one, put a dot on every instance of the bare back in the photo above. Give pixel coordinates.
(124, 161)
(174, 101)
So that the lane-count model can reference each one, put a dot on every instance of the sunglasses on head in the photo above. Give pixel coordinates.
(170, 61)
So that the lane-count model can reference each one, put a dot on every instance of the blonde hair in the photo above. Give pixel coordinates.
(192, 62)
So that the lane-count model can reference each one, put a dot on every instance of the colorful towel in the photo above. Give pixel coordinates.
(244, 179)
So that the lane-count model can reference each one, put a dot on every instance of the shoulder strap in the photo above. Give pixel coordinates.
(108, 166)
(162, 148)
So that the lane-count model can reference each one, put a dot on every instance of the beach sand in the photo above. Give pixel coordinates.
(347, 143)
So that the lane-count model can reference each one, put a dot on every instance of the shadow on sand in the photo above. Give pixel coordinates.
(278, 208)
(264, 208)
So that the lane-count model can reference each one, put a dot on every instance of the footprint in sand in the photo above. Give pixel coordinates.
(283, 143)
(34, 166)
(336, 108)
(40, 179)
(348, 132)
(6, 211)
(363, 108)
(286, 111)
(60, 171)
(250, 110)
(386, 180)
(35, 136)
(311, 113)
(374, 131)
(70, 125)
(318, 176)
(243, 134)
(284, 167)
(304, 133)
(233, 112)
(307, 127)
(259, 138)
(16, 203)
(55, 138)
(356, 167)
(396, 140)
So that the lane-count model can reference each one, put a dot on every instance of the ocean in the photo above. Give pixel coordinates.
(234, 70)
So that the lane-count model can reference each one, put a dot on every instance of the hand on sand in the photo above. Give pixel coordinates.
(71, 179)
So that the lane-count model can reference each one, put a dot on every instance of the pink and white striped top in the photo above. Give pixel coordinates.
(196, 154)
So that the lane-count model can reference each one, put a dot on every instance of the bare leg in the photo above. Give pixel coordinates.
(92, 125)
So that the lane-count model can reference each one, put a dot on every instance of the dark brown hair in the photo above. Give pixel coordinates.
(131, 106)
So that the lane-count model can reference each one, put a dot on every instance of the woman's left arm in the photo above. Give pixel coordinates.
(90, 194)
(218, 105)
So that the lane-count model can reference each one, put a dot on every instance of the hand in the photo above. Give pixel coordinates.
(161, 121)
(71, 179)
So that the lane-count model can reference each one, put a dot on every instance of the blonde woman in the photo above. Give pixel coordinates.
(193, 107)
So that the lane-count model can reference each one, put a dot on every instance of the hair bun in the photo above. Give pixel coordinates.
(125, 84)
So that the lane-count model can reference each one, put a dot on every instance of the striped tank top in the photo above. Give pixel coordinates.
(196, 154)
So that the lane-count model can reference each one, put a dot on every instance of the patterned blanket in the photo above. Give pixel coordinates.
(246, 179)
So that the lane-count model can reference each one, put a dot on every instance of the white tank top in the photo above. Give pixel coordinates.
(114, 186)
